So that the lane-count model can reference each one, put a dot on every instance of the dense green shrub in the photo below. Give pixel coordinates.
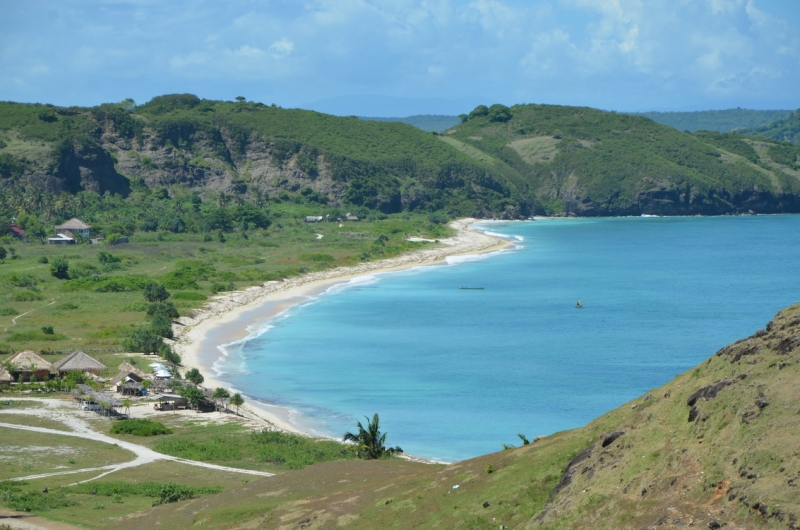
(140, 427)
(26, 296)
(60, 268)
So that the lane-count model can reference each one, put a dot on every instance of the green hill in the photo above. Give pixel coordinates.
(499, 162)
(783, 130)
(716, 120)
(715, 447)
(243, 149)
(582, 161)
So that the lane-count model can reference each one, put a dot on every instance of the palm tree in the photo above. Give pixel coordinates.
(237, 401)
(370, 441)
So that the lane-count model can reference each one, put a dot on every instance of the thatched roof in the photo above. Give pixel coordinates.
(74, 224)
(131, 369)
(23, 360)
(5, 377)
(79, 362)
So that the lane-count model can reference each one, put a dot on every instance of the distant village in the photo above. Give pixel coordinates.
(28, 372)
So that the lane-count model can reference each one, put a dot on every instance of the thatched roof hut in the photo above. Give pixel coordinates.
(131, 369)
(5, 377)
(78, 361)
(27, 363)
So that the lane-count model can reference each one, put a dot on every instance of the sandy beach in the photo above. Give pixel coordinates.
(192, 332)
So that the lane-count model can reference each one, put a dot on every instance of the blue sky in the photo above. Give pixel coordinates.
(399, 57)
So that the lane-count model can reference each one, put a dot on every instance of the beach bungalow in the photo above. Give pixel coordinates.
(78, 361)
(74, 226)
(26, 364)
(171, 402)
(313, 218)
(128, 377)
(5, 376)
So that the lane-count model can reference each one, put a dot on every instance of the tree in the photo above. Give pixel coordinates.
(241, 99)
(237, 401)
(155, 292)
(370, 441)
(220, 393)
(60, 268)
(498, 112)
(3, 254)
(193, 394)
(195, 376)
(161, 326)
(167, 309)
(143, 340)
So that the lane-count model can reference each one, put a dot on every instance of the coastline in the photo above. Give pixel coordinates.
(225, 309)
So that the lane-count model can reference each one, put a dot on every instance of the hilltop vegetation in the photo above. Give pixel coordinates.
(728, 120)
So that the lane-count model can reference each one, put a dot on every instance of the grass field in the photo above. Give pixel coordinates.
(101, 303)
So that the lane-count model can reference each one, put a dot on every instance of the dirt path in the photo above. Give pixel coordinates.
(14, 320)
(55, 410)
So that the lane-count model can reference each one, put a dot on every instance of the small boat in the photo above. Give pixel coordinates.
(473, 288)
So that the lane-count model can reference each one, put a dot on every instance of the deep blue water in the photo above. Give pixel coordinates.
(457, 373)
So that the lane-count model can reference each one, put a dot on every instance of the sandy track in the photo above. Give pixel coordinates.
(56, 411)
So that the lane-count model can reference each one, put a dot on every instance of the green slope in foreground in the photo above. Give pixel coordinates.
(715, 446)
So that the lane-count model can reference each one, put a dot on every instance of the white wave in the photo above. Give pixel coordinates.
(519, 238)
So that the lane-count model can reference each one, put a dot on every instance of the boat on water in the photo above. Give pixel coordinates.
(472, 288)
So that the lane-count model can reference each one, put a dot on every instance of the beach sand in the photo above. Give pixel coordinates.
(272, 298)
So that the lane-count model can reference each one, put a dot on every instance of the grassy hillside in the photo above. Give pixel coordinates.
(783, 130)
(587, 162)
(728, 120)
(714, 447)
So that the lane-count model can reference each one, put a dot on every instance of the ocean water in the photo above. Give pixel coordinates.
(457, 373)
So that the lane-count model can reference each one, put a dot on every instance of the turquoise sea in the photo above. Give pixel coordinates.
(457, 373)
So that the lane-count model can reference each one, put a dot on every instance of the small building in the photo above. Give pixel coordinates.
(61, 239)
(5, 376)
(17, 232)
(26, 364)
(171, 402)
(351, 217)
(78, 361)
(74, 226)
(313, 218)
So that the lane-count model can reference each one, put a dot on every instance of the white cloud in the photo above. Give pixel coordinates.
(281, 48)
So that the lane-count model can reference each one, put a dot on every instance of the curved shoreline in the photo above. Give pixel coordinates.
(191, 334)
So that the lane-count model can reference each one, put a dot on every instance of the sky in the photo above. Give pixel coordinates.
(403, 57)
